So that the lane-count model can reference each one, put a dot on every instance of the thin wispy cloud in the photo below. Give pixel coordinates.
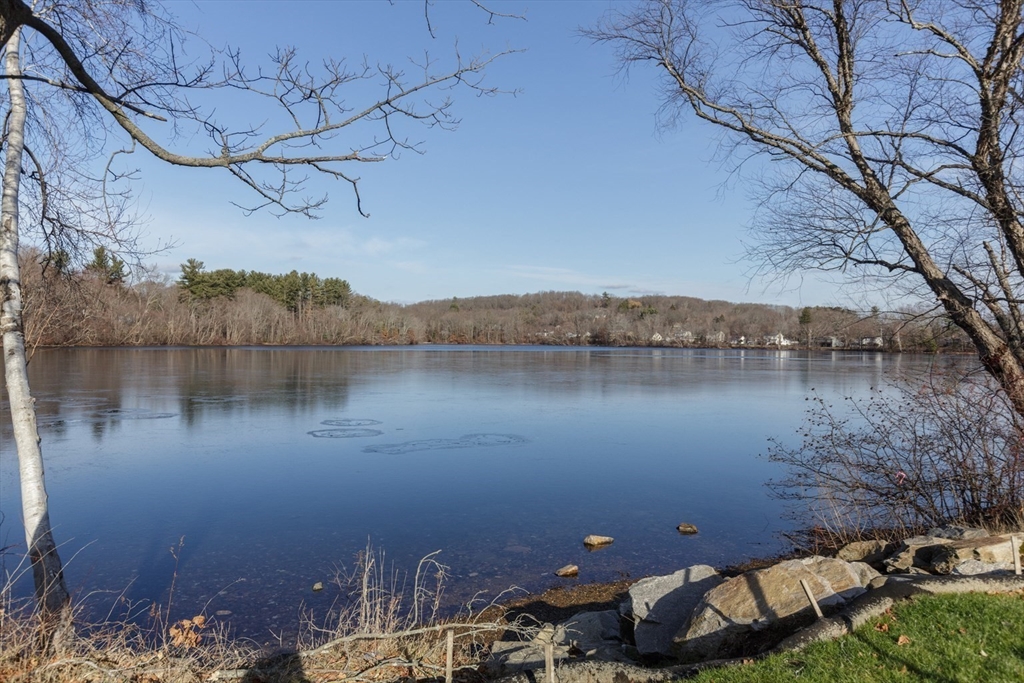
(563, 275)
(346, 243)
(583, 280)
(416, 267)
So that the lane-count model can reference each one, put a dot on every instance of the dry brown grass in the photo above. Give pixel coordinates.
(383, 628)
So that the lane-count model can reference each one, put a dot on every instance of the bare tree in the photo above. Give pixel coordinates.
(103, 78)
(895, 128)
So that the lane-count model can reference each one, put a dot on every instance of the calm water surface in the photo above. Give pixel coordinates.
(277, 466)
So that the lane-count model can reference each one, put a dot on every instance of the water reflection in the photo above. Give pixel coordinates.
(502, 458)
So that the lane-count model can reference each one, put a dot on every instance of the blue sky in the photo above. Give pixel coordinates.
(570, 184)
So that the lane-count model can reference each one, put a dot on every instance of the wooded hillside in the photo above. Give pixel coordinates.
(226, 307)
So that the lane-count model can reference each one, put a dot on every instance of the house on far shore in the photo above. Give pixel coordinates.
(714, 337)
(679, 334)
(777, 340)
(872, 342)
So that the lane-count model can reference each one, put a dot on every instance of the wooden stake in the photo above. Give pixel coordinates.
(1015, 542)
(810, 598)
(450, 637)
(549, 661)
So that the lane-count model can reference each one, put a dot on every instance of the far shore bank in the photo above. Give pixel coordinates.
(498, 345)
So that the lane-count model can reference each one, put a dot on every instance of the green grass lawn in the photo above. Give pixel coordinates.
(968, 638)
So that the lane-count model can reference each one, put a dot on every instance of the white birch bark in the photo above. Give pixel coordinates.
(51, 592)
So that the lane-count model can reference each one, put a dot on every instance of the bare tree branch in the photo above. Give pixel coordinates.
(895, 126)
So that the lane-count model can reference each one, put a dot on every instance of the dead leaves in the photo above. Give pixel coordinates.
(185, 633)
(883, 626)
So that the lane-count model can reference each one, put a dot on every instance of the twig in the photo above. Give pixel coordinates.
(473, 628)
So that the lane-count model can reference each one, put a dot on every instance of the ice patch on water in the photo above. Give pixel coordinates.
(343, 433)
(465, 441)
(55, 421)
(100, 417)
(350, 422)
(76, 401)
(132, 414)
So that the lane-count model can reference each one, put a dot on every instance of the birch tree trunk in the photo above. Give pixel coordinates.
(47, 571)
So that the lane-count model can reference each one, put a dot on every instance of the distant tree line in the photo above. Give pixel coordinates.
(97, 305)
(293, 291)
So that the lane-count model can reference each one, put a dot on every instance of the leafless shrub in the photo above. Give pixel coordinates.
(921, 452)
(386, 625)
(113, 651)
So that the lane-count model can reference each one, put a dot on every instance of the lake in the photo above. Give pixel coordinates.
(278, 465)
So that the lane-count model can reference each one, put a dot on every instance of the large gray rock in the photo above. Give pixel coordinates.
(942, 555)
(975, 568)
(510, 657)
(588, 635)
(974, 555)
(760, 599)
(915, 552)
(594, 635)
(872, 552)
(661, 605)
(955, 532)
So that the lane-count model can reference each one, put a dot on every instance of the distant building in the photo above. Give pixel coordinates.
(682, 335)
(777, 340)
(875, 342)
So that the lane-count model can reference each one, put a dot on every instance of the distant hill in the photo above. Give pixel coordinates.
(230, 307)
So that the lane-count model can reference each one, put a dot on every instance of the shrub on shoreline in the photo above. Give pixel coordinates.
(946, 447)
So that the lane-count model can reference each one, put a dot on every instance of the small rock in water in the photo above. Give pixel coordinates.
(687, 529)
(223, 613)
(318, 586)
(568, 571)
(594, 541)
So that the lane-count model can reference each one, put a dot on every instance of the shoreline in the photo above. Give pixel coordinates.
(518, 624)
(498, 345)
(565, 600)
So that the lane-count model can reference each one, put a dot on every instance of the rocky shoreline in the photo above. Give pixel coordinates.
(699, 616)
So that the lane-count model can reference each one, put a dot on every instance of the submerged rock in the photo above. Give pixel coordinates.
(595, 541)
